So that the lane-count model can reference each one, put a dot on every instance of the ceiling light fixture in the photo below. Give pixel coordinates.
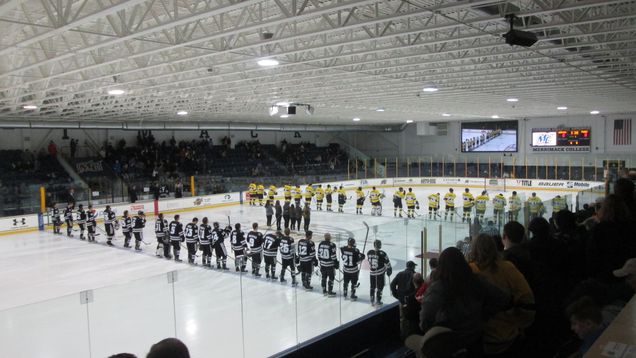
(182, 113)
(268, 62)
(356, 119)
(284, 116)
(116, 92)
(494, 116)
(595, 112)
(562, 108)
(30, 106)
(512, 99)
(430, 88)
(380, 109)
(409, 121)
(282, 104)
(446, 115)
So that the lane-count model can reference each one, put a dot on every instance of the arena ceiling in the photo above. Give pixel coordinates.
(345, 58)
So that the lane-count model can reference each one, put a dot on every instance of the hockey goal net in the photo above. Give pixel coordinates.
(495, 185)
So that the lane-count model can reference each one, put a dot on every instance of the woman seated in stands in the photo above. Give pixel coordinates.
(460, 300)
(503, 333)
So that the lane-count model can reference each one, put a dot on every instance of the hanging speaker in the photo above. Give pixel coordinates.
(291, 110)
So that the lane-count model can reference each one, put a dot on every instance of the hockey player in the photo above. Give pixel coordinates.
(515, 205)
(449, 199)
(481, 201)
(255, 246)
(298, 194)
(342, 199)
(239, 246)
(328, 259)
(260, 192)
(411, 203)
(376, 205)
(68, 218)
(205, 242)
(139, 223)
(110, 220)
(329, 196)
(176, 237)
(91, 223)
(535, 206)
(379, 265)
(351, 260)
(287, 193)
(81, 220)
(270, 251)
(469, 202)
(287, 250)
(558, 203)
(191, 235)
(161, 233)
(126, 228)
(218, 243)
(433, 205)
(307, 258)
(499, 204)
(253, 195)
(56, 219)
(320, 196)
(359, 200)
(309, 194)
(398, 196)
(273, 190)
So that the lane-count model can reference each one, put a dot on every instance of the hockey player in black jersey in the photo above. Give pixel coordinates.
(191, 234)
(205, 242)
(218, 243)
(139, 223)
(287, 250)
(379, 265)
(56, 219)
(255, 247)
(109, 224)
(91, 223)
(307, 258)
(176, 237)
(239, 246)
(161, 232)
(351, 259)
(328, 259)
(81, 220)
(270, 251)
(126, 228)
(68, 218)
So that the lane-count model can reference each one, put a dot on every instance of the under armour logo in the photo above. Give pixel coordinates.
(228, 196)
(22, 222)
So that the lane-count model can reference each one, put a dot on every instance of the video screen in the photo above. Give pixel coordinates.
(544, 139)
(494, 136)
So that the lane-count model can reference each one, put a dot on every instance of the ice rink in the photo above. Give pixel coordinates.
(133, 302)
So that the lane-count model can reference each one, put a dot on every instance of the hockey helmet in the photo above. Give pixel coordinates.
(140, 212)
(351, 242)
(215, 224)
(377, 244)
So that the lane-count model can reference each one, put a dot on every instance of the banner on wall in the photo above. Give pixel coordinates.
(89, 167)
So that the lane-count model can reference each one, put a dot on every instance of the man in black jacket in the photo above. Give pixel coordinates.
(401, 288)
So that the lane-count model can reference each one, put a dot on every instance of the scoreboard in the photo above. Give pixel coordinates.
(561, 139)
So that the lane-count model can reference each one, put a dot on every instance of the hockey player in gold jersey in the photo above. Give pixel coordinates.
(329, 196)
(411, 203)
(359, 200)
(449, 199)
(469, 202)
(433, 205)
(398, 196)
(320, 197)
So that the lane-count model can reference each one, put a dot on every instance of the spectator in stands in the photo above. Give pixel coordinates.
(70, 197)
(586, 321)
(432, 264)
(610, 297)
(73, 145)
(489, 229)
(503, 333)
(402, 288)
(413, 306)
(628, 272)
(178, 188)
(461, 301)
(612, 240)
(132, 193)
(624, 189)
(52, 149)
(515, 252)
(169, 348)
(464, 246)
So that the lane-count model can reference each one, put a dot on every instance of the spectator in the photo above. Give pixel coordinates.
(401, 288)
(628, 272)
(489, 229)
(464, 246)
(70, 197)
(52, 149)
(460, 300)
(73, 148)
(169, 348)
(432, 264)
(503, 333)
(413, 305)
(178, 189)
(515, 252)
(586, 321)
(612, 240)
(438, 342)
(132, 193)
(123, 355)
